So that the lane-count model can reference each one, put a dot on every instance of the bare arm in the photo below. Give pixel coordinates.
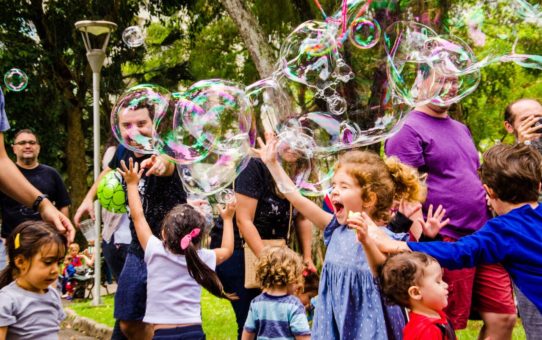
(87, 206)
(3, 333)
(304, 232)
(244, 215)
(302, 337)
(362, 222)
(305, 206)
(131, 175)
(248, 336)
(226, 248)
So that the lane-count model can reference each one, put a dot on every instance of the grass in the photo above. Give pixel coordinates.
(219, 320)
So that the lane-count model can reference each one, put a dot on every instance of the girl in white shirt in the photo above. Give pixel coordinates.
(177, 266)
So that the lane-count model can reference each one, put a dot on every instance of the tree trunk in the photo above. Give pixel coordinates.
(75, 157)
(252, 35)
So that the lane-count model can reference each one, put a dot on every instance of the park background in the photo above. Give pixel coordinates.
(187, 41)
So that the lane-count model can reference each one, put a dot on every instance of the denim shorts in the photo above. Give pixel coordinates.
(194, 332)
(131, 295)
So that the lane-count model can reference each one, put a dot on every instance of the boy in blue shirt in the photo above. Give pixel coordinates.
(511, 175)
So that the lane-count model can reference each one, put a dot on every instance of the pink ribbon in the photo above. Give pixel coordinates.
(185, 241)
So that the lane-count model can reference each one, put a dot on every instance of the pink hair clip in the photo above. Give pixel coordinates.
(185, 241)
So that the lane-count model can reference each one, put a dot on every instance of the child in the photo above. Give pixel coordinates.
(309, 293)
(66, 279)
(277, 313)
(177, 266)
(74, 250)
(511, 176)
(29, 307)
(414, 280)
(349, 304)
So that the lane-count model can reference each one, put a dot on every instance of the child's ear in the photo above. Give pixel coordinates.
(21, 263)
(414, 293)
(490, 192)
(370, 202)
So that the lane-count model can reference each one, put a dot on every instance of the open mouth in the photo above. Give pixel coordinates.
(339, 207)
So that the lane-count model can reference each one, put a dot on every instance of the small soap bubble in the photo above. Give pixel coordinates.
(16, 80)
(133, 36)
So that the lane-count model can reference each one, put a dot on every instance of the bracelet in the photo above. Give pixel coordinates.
(38, 201)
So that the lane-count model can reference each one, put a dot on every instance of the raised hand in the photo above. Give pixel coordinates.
(227, 211)
(132, 174)
(408, 208)
(431, 227)
(156, 165)
(267, 150)
(528, 130)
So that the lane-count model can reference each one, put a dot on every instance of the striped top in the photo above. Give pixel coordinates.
(277, 317)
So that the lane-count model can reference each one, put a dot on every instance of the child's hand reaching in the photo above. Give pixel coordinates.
(132, 173)
(268, 149)
(227, 211)
(364, 226)
(434, 222)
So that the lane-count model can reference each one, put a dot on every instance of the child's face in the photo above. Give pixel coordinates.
(346, 195)
(38, 273)
(74, 250)
(133, 125)
(433, 290)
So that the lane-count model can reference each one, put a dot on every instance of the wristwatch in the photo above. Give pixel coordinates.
(38, 200)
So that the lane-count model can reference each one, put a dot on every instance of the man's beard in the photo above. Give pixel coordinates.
(29, 160)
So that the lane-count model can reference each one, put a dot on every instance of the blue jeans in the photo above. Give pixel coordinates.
(232, 276)
(531, 318)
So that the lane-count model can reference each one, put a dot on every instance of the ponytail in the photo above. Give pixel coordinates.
(204, 275)
(406, 180)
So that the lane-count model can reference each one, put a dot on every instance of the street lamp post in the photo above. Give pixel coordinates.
(96, 56)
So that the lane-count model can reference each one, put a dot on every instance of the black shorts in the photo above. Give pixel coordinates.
(194, 332)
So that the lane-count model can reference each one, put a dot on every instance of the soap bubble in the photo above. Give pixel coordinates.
(136, 114)
(16, 80)
(133, 36)
(226, 196)
(364, 33)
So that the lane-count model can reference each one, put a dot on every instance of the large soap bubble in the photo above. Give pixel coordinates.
(135, 115)
(220, 112)
(16, 80)
(215, 172)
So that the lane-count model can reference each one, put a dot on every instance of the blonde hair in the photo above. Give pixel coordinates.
(388, 179)
(278, 267)
(74, 246)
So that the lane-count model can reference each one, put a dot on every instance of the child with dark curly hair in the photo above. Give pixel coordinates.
(414, 280)
(277, 313)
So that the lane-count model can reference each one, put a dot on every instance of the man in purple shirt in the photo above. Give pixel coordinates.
(443, 148)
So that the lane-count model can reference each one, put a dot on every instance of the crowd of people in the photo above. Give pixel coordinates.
(396, 222)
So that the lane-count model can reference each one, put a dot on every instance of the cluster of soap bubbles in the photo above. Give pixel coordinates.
(343, 82)
(15, 80)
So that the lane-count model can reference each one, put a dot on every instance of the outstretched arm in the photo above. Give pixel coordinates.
(364, 226)
(131, 175)
(268, 154)
(226, 248)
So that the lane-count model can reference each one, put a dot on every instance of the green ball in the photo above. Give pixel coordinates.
(111, 193)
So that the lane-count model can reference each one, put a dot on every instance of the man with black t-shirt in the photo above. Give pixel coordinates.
(46, 179)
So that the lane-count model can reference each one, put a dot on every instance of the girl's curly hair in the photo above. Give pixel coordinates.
(278, 267)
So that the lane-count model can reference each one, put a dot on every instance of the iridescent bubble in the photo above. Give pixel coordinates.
(271, 104)
(364, 33)
(226, 196)
(16, 80)
(215, 172)
(311, 172)
(133, 36)
(219, 114)
(136, 115)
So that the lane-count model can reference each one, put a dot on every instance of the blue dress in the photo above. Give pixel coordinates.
(349, 302)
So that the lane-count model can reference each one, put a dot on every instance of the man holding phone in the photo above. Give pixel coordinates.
(523, 118)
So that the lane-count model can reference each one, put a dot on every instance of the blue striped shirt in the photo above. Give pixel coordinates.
(277, 317)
